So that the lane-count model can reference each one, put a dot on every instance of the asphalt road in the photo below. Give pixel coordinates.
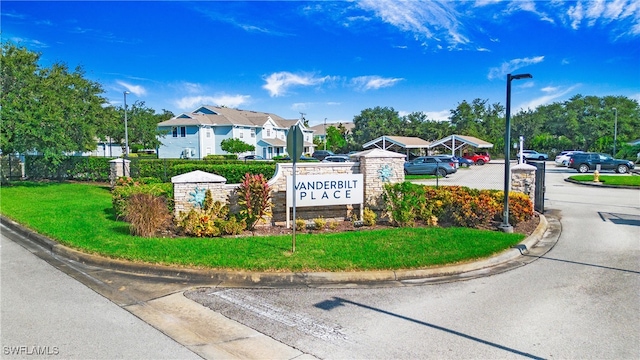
(579, 301)
(47, 314)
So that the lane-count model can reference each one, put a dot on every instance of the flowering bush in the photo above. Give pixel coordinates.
(456, 205)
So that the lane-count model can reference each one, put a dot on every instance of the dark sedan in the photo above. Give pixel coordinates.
(429, 165)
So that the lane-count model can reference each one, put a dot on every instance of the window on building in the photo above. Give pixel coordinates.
(253, 133)
(268, 133)
(183, 131)
(208, 133)
(175, 132)
(241, 134)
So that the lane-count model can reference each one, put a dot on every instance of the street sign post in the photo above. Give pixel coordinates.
(295, 144)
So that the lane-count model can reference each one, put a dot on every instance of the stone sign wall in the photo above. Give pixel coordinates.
(377, 167)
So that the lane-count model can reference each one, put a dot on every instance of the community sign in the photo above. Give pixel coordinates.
(326, 190)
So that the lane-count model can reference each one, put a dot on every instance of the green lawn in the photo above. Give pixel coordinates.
(81, 216)
(616, 180)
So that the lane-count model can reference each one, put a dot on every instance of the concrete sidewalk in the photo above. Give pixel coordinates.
(155, 293)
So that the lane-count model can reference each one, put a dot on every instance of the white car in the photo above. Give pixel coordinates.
(533, 155)
(563, 158)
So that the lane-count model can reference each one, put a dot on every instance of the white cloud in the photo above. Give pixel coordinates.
(31, 43)
(442, 115)
(509, 67)
(364, 83)
(231, 101)
(191, 88)
(278, 83)
(428, 21)
(134, 89)
(604, 12)
(552, 93)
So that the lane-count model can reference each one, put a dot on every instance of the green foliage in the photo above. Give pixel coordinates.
(301, 224)
(126, 187)
(224, 157)
(81, 222)
(454, 205)
(254, 199)
(404, 202)
(335, 139)
(147, 214)
(369, 217)
(319, 223)
(236, 146)
(211, 221)
(67, 168)
(52, 110)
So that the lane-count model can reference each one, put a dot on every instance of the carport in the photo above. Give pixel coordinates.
(457, 142)
(399, 144)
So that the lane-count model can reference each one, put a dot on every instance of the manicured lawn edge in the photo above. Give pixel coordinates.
(86, 223)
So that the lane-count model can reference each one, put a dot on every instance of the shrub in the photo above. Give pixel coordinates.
(197, 223)
(520, 207)
(369, 217)
(126, 187)
(147, 214)
(254, 199)
(333, 225)
(233, 226)
(404, 202)
(300, 224)
(319, 223)
(210, 221)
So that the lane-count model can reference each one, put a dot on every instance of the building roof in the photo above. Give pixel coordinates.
(405, 142)
(318, 130)
(455, 142)
(221, 116)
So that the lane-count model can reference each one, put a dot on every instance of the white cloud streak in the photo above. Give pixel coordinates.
(429, 21)
(551, 94)
(513, 65)
(231, 101)
(134, 89)
(277, 84)
(374, 82)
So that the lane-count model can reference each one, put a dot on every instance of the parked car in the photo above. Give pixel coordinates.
(302, 158)
(429, 165)
(533, 155)
(478, 158)
(563, 158)
(321, 154)
(458, 161)
(252, 157)
(336, 158)
(588, 161)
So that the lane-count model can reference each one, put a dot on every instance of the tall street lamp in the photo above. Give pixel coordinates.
(126, 131)
(615, 132)
(506, 227)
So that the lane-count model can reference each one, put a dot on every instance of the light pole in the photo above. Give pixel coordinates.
(615, 131)
(325, 133)
(126, 131)
(506, 227)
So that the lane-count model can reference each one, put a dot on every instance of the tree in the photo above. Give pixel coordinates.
(376, 122)
(236, 146)
(49, 110)
(335, 139)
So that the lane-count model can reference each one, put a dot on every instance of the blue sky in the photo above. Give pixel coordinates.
(333, 59)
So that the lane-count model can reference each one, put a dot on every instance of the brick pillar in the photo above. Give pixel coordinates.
(379, 167)
(523, 180)
(189, 190)
(118, 168)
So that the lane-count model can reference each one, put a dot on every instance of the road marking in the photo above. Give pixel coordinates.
(262, 308)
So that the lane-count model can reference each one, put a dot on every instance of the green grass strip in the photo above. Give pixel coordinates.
(615, 180)
(81, 216)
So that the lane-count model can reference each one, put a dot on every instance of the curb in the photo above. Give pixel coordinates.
(602, 185)
(225, 278)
